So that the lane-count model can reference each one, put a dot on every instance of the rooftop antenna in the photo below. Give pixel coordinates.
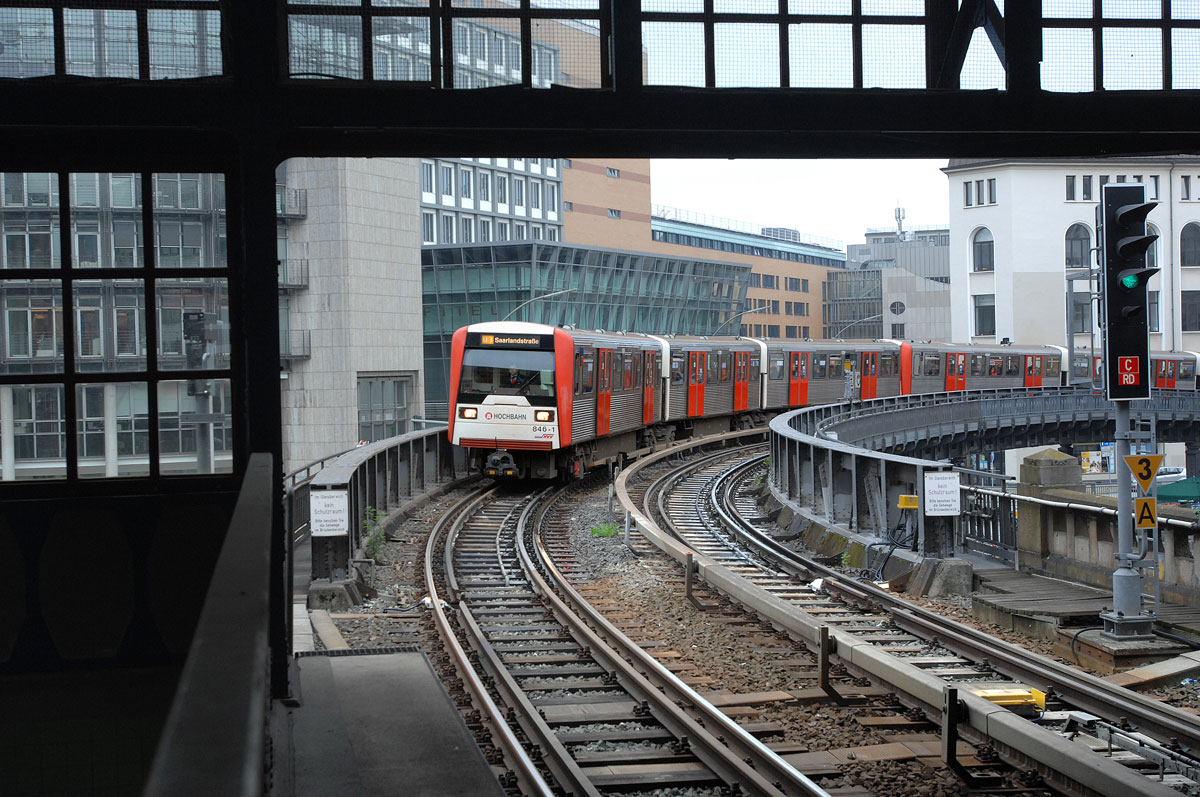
(899, 221)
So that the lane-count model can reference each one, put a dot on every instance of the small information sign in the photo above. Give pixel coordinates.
(1146, 512)
(941, 494)
(1144, 467)
(329, 513)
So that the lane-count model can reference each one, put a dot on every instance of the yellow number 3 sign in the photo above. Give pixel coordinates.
(1143, 467)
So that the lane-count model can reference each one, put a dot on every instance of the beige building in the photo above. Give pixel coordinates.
(607, 203)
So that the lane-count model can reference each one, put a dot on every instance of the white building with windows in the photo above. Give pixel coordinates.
(483, 200)
(1021, 229)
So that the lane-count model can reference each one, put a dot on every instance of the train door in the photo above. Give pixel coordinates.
(1164, 374)
(649, 380)
(870, 374)
(741, 380)
(604, 394)
(798, 379)
(1033, 370)
(696, 360)
(956, 371)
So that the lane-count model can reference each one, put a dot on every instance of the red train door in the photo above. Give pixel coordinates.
(741, 378)
(1164, 373)
(870, 374)
(649, 380)
(797, 379)
(1033, 370)
(604, 394)
(956, 372)
(696, 383)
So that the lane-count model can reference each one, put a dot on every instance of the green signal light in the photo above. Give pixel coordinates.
(1129, 281)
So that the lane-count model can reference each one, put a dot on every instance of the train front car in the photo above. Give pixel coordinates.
(510, 397)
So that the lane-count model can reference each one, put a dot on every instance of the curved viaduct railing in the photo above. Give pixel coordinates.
(942, 425)
(849, 463)
(380, 476)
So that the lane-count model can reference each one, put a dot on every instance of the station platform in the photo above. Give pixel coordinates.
(373, 722)
(381, 723)
(1069, 615)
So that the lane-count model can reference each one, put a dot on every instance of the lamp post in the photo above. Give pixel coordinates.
(739, 315)
(536, 298)
(859, 321)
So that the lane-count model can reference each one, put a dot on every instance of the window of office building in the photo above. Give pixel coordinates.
(985, 314)
(1087, 187)
(1189, 245)
(983, 251)
(551, 197)
(1152, 310)
(501, 189)
(1190, 310)
(535, 194)
(485, 230)
(427, 228)
(485, 193)
(898, 331)
(991, 190)
(518, 192)
(611, 172)
(967, 196)
(62, 426)
(1185, 187)
(465, 179)
(1079, 244)
(613, 213)
(426, 177)
(447, 229)
(1070, 188)
(447, 180)
(1081, 312)
(383, 405)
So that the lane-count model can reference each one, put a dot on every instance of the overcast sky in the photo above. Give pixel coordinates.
(835, 199)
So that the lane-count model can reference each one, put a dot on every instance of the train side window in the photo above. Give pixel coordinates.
(978, 363)
(754, 363)
(887, 364)
(587, 375)
(835, 366)
(627, 382)
(1012, 365)
(795, 366)
(1052, 366)
(724, 373)
(1170, 369)
(818, 361)
(776, 369)
(714, 364)
(1187, 369)
(995, 365)
(676, 369)
(933, 364)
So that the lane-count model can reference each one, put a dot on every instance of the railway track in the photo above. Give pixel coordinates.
(569, 703)
(1091, 737)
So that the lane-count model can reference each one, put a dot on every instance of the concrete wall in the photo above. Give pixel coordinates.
(363, 304)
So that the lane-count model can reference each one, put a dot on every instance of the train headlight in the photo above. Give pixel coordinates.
(470, 413)
(543, 416)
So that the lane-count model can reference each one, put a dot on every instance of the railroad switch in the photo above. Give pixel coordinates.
(1010, 697)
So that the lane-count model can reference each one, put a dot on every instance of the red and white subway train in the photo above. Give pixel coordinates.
(529, 400)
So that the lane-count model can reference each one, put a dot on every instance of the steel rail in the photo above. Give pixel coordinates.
(740, 757)
(1090, 693)
(514, 753)
(1053, 755)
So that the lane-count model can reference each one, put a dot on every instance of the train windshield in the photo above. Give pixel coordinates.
(507, 372)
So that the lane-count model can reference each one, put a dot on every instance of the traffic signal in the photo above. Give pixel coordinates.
(1123, 246)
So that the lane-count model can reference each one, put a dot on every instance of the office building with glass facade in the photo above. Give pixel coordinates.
(608, 289)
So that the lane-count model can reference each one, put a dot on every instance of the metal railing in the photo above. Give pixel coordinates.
(293, 273)
(380, 477)
(215, 739)
(291, 203)
(295, 344)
